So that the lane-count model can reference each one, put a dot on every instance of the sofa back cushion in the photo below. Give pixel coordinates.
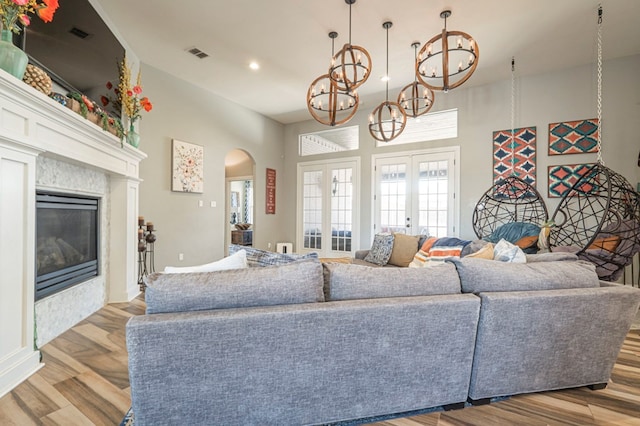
(349, 282)
(479, 275)
(297, 282)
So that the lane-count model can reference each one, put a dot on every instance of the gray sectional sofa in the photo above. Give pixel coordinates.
(306, 343)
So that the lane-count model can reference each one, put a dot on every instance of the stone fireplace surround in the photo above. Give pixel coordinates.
(44, 145)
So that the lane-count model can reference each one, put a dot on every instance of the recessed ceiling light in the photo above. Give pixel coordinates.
(254, 65)
(384, 78)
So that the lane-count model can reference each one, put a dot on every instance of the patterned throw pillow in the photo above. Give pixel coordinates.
(380, 249)
(257, 257)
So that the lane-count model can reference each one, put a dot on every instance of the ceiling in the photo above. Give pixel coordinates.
(289, 39)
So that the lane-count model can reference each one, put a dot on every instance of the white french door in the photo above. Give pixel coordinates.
(328, 207)
(415, 193)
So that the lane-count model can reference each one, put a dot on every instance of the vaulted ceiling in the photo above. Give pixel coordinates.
(289, 39)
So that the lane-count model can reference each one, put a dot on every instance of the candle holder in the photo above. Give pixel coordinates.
(146, 250)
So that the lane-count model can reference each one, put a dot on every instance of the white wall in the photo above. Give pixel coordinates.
(185, 112)
(541, 99)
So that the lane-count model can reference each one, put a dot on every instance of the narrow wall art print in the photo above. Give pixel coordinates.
(515, 155)
(187, 169)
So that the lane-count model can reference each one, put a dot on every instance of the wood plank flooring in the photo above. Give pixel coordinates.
(85, 382)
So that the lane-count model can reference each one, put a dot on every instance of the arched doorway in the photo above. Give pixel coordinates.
(239, 195)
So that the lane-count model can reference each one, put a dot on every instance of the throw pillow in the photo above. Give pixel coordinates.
(404, 249)
(513, 231)
(485, 252)
(237, 260)
(504, 251)
(257, 257)
(528, 241)
(608, 243)
(380, 249)
(297, 282)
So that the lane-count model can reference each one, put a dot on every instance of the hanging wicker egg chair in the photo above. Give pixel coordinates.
(510, 200)
(599, 217)
(599, 220)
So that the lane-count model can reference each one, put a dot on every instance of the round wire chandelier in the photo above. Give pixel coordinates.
(416, 98)
(326, 103)
(351, 66)
(448, 59)
(389, 119)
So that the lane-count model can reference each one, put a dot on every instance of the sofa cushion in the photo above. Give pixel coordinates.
(404, 248)
(257, 257)
(238, 260)
(380, 249)
(297, 282)
(348, 282)
(478, 275)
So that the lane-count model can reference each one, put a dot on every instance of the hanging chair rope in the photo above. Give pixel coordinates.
(513, 115)
(599, 103)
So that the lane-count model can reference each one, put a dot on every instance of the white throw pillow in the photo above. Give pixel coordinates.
(238, 260)
(504, 251)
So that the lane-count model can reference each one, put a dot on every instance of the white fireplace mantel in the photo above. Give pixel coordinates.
(32, 124)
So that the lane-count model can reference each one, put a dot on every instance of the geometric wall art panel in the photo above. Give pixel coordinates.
(562, 178)
(515, 157)
(573, 137)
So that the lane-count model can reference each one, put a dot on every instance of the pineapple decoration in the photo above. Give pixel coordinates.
(37, 78)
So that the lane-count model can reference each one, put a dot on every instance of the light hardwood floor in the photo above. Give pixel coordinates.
(85, 382)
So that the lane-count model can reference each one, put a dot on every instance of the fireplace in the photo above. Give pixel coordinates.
(67, 241)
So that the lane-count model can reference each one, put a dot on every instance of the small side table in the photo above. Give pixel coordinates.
(242, 238)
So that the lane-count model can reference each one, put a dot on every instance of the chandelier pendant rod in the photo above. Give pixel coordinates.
(445, 52)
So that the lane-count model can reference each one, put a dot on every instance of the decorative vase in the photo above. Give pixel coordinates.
(133, 138)
(12, 59)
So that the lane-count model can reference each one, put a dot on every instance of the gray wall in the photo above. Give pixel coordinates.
(541, 99)
(185, 112)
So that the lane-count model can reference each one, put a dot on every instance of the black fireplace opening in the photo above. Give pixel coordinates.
(67, 241)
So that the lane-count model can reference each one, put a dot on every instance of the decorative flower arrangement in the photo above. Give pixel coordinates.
(13, 10)
(129, 96)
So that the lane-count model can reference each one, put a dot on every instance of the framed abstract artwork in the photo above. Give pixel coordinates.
(515, 155)
(187, 167)
(563, 177)
(573, 137)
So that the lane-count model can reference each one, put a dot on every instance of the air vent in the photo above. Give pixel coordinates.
(197, 52)
(79, 33)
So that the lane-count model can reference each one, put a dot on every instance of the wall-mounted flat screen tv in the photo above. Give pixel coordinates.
(77, 49)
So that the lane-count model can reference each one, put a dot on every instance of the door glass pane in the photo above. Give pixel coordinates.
(433, 193)
(393, 197)
(312, 210)
(341, 209)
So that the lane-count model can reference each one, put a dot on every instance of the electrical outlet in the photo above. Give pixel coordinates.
(200, 203)
(180, 256)
(213, 204)
(269, 246)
